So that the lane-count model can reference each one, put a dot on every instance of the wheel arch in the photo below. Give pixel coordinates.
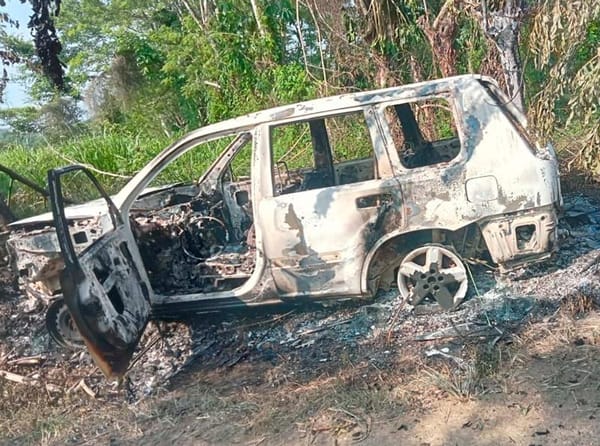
(397, 243)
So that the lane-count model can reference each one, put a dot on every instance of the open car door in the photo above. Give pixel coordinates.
(105, 287)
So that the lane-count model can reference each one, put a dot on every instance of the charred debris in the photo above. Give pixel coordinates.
(341, 198)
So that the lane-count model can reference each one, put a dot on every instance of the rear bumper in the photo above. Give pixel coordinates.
(521, 238)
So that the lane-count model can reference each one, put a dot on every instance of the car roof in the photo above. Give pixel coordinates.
(347, 100)
(300, 110)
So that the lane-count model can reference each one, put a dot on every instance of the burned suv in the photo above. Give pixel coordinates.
(325, 199)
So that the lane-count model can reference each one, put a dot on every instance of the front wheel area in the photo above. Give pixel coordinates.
(61, 327)
(433, 272)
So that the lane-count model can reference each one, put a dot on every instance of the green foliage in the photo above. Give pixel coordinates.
(240, 165)
(292, 145)
(290, 83)
(161, 68)
(20, 119)
(349, 137)
(54, 120)
(472, 46)
(17, 45)
(564, 41)
(191, 165)
(117, 154)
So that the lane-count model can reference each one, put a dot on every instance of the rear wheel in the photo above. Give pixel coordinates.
(433, 272)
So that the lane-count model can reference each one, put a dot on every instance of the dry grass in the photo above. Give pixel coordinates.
(31, 416)
(225, 403)
(562, 355)
(576, 322)
(260, 401)
(461, 384)
(216, 406)
(577, 304)
(477, 372)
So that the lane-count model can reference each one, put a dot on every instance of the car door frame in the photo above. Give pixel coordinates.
(252, 291)
(348, 281)
(105, 287)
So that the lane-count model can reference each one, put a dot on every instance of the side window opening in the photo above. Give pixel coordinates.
(424, 132)
(199, 236)
(322, 152)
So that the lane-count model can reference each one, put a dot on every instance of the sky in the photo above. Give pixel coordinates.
(15, 94)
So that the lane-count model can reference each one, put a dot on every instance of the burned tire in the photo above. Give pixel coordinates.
(433, 272)
(61, 327)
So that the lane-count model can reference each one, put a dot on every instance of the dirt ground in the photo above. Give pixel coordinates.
(518, 363)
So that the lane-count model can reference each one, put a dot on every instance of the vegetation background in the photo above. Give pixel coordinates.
(115, 81)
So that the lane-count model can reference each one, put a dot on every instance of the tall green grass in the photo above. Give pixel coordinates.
(119, 155)
(114, 159)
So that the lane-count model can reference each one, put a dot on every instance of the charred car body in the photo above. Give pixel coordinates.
(331, 198)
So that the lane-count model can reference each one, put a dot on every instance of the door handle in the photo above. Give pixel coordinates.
(373, 200)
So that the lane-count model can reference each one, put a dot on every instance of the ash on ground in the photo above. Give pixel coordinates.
(312, 340)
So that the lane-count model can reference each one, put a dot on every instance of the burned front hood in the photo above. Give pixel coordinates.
(34, 247)
(87, 210)
(95, 208)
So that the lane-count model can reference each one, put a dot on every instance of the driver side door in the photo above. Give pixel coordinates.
(105, 286)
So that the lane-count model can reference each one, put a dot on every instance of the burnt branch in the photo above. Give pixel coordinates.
(46, 41)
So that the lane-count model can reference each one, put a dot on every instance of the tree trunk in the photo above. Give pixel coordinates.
(256, 13)
(441, 35)
(502, 26)
(379, 27)
(384, 76)
(511, 64)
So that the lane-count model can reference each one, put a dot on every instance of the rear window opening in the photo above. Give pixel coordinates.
(424, 132)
